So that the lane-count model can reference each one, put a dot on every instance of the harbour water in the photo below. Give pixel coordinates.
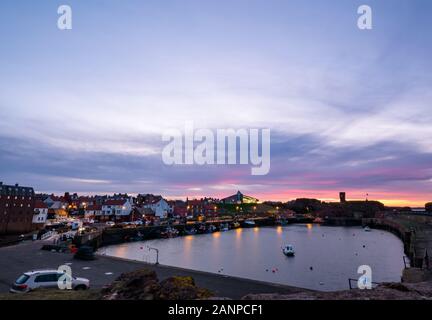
(326, 257)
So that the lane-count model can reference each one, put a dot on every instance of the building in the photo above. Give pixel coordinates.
(57, 206)
(117, 209)
(16, 209)
(239, 198)
(160, 207)
(93, 211)
(40, 214)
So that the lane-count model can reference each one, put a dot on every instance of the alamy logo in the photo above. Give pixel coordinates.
(365, 280)
(64, 22)
(64, 282)
(364, 22)
(222, 146)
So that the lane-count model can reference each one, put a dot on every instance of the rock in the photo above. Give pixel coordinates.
(181, 288)
(137, 285)
(384, 291)
(144, 285)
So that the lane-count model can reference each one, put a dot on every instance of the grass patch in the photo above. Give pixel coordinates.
(53, 294)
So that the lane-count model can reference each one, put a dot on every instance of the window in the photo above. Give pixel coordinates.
(22, 279)
(50, 277)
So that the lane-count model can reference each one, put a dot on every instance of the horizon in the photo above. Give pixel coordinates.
(85, 109)
(388, 203)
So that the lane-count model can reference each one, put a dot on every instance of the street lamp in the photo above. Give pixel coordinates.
(157, 254)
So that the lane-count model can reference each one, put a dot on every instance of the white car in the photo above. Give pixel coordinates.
(45, 279)
(110, 223)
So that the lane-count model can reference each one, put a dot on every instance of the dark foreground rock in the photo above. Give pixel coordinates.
(144, 285)
(385, 291)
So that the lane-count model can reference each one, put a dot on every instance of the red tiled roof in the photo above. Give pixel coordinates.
(40, 205)
(114, 202)
(94, 208)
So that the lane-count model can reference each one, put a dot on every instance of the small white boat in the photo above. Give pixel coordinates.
(288, 251)
(367, 229)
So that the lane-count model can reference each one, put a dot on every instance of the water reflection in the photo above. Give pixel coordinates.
(325, 256)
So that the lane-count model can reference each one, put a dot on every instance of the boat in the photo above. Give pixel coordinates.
(249, 224)
(211, 228)
(235, 225)
(367, 229)
(169, 233)
(224, 227)
(201, 229)
(190, 231)
(318, 220)
(288, 251)
(281, 222)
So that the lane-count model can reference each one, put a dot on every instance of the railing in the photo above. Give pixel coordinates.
(356, 280)
(47, 235)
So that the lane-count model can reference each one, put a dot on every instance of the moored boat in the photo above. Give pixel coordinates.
(288, 251)
(169, 233)
(235, 225)
(249, 224)
(224, 227)
(191, 231)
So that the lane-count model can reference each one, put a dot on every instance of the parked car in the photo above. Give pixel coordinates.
(45, 279)
(85, 253)
(110, 223)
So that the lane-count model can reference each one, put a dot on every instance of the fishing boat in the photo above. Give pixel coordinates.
(224, 227)
(211, 228)
(191, 231)
(288, 251)
(169, 233)
(235, 225)
(249, 224)
(318, 220)
(281, 222)
(367, 229)
(201, 229)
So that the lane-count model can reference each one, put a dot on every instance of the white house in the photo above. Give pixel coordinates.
(119, 209)
(160, 207)
(40, 213)
(93, 211)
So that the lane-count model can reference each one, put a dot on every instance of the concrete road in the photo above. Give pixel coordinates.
(27, 256)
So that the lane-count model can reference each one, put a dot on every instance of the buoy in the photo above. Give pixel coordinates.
(266, 270)
(310, 268)
(364, 246)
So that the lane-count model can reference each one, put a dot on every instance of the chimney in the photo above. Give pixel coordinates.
(342, 197)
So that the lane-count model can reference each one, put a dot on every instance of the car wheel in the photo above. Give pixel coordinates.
(80, 287)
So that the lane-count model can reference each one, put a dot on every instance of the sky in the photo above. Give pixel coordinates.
(84, 110)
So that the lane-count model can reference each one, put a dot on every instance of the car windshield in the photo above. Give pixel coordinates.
(22, 279)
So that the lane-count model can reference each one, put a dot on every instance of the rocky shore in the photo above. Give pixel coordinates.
(144, 285)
